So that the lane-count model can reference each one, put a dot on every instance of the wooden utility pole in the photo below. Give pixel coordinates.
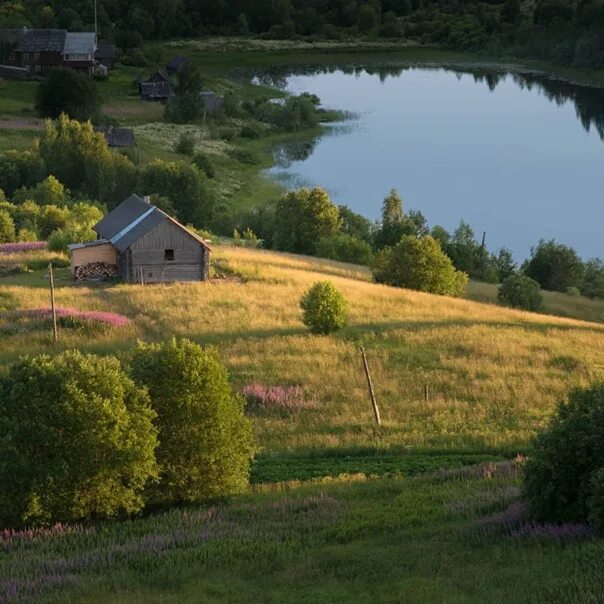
(376, 411)
(55, 334)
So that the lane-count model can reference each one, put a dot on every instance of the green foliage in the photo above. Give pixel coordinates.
(367, 20)
(46, 192)
(355, 225)
(20, 169)
(593, 279)
(504, 264)
(205, 439)
(78, 440)
(184, 185)
(65, 91)
(554, 266)
(187, 106)
(302, 219)
(7, 227)
(394, 223)
(325, 309)
(595, 502)
(520, 291)
(205, 164)
(185, 144)
(296, 113)
(419, 264)
(59, 240)
(564, 472)
(345, 248)
(79, 158)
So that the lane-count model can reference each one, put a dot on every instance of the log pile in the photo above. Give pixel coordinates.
(95, 271)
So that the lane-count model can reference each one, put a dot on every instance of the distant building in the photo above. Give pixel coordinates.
(158, 87)
(105, 54)
(39, 50)
(79, 50)
(213, 102)
(145, 245)
(117, 138)
(176, 64)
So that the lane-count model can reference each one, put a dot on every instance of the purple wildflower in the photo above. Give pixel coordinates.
(289, 399)
(107, 318)
(24, 246)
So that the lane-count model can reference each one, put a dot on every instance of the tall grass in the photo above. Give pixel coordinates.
(494, 374)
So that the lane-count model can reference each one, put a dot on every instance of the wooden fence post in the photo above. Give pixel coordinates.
(55, 333)
(376, 411)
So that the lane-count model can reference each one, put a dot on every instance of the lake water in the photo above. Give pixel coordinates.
(516, 155)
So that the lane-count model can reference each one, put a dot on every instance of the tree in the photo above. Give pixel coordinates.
(355, 225)
(520, 291)
(593, 279)
(419, 264)
(345, 248)
(48, 191)
(81, 160)
(463, 249)
(69, 92)
(367, 20)
(184, 185)
(564, 472)
(78, 440)
(555, 266)
(302, 218)
(187, 106)
(324, 308)
(7, 227)
(394, 224)
(505, 264)
(205, 439)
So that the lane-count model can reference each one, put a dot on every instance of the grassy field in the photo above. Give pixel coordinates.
(425, 509)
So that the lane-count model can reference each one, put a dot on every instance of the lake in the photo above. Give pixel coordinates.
(518, 155)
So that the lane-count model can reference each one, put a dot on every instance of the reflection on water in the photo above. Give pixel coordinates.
(515, 153)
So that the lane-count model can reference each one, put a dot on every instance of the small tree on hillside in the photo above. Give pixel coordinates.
(78, 440)
(302, 218)
(67, 91)
(324, 308)
(555, 266)
(205, 439)
(419, 264)
(520, 291)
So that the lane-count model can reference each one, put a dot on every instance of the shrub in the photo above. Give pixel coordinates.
(78, 440)
(243, 156)
(563, 476)
(345, 248)
(59, 240)
(555, 266)
(205, 164)
(573, 291)
(251, 131)
(205, 439)
(185, 144)
(324, 308)
(520, 291)
(7, 227)
(419, 264)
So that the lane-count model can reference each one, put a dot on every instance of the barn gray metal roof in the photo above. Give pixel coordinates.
(79, 43)
(122, 216)
(132, 219)
(117, 137)
(43, 40)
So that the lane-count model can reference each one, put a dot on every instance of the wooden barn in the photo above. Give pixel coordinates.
(141, 244)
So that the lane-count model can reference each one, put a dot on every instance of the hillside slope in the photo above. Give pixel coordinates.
(493, 374)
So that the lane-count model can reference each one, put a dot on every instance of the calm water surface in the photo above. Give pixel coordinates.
(520, 157)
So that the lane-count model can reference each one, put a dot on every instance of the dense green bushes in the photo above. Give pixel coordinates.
(78, 440)
(520, 291)
(324, 308)
(205, 441)
(80, 435)
(565, 473)
(419, 263)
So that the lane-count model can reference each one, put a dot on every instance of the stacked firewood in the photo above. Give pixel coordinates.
(95, 271)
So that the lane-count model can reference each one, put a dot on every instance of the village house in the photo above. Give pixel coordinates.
(117, 137)
(158, 87)
(79, 50)
(141, 244)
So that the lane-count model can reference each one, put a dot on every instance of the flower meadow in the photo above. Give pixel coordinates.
(283, 399)
(24, 246)
(94, 316)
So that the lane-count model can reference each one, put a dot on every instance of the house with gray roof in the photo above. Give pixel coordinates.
(79, 50)
(146, 245)
(38, 50)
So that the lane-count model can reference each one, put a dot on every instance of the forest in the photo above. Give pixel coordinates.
(558, 30)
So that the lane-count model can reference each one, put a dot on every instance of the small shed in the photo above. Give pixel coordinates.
(213, 103)
(176, 64)
(145, 244)
(105, 54)
(116, 137)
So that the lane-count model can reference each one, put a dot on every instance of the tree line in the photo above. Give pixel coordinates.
(561, 30)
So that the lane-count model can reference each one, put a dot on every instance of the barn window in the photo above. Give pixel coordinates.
(169, 255)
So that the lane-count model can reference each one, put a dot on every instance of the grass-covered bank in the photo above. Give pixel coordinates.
(452, 535)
